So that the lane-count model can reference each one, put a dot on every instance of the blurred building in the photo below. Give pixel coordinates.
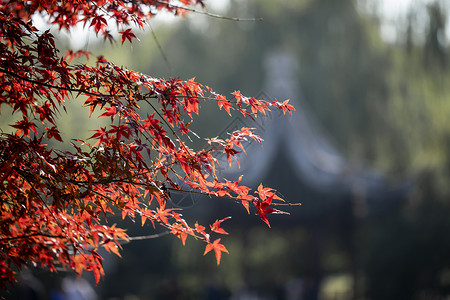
(298, 157)
(299, 160)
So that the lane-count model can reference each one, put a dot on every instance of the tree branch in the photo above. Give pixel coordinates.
(166, 60)
(179, 190)
(147, 237)
(4, 240)
(209, 14)
(51, 85)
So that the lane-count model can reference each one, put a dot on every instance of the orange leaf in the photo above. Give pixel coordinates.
(223, 102)
(218, 249)
(111, 247)
(110, 112)
(216, 226)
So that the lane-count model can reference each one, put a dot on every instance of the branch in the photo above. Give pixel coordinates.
(147, 237)
(169, 127)
(96, 94)
(4, 240)
(208, 13)
(177, 190)
(229, 197)
(53, 86)
(31, 183)
(166, 60)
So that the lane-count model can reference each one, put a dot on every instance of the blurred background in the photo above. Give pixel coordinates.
(367, 153)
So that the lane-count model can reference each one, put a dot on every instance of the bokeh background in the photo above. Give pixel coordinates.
(366, 153)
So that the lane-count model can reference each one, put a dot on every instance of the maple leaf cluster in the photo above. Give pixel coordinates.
(54, 204)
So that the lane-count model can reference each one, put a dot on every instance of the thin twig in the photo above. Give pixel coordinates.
(169, 127)
(147, 237)
(92, 93)
(166, 60)
(53, 86)
(3, 240)
(210, 14)
(180, 190)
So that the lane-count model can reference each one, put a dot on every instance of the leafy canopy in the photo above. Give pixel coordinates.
(55, 203)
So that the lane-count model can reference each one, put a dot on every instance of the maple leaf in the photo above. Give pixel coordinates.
(263, 209)
(54, 133)
(200, 228)
(122, 130)
(112, 247)
(216, 226)
(110, 112)
(230, 152)
(180, 232)
(237, 95)
(264, 192)
(223, 102)
(218, 249)
(127, 35)
(98, 22)
(162, 213)
(246, 199)
(184, 128)
(102, 134)
(284, 106)
(24, 127)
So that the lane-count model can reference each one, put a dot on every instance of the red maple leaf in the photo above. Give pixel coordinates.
(218, 249)
(223, 102)
(53, 133)
(216, 226)
(98, 22)
(24, 127)
(263, 209)
(111, 112)
(230, 152)
(127, 35)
